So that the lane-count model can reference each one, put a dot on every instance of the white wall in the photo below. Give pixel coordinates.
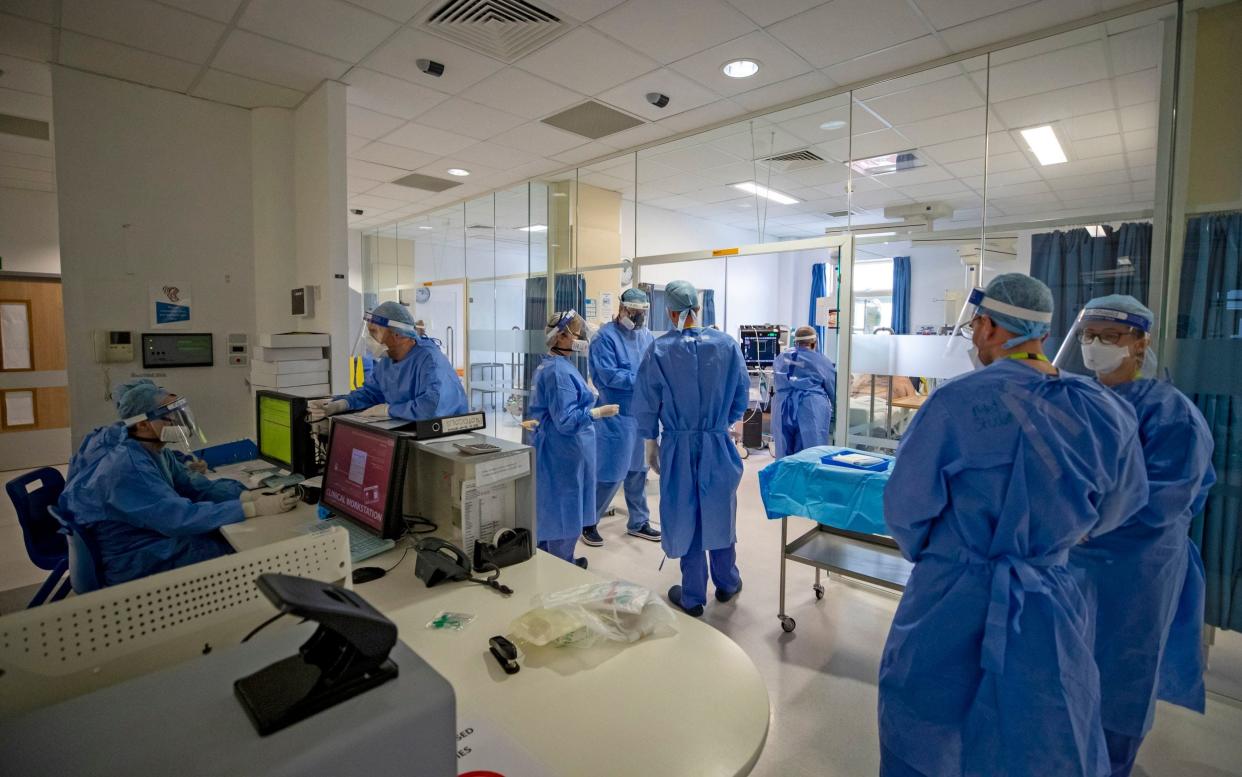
(154, 187)
(28, 231)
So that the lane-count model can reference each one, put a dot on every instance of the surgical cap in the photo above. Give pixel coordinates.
(635, 296)
(680, 296)
(137, 397)
(1020, 291)
(1141, 315)
(804, 334)
(394, 311)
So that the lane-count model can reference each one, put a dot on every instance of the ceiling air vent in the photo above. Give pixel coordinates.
(504, 29)
(428, 183)
(794, 160)
(23, 127)
(592, 120)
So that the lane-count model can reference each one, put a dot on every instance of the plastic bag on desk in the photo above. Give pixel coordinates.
(589, 614)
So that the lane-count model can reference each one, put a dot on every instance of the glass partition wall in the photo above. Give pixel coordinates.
(870, 214)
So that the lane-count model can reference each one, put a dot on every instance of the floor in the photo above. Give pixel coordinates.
(821, 678)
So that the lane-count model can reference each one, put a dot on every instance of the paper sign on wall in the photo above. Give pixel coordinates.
(170, 305)
(19, 408)
(15, 335)
(605, 305)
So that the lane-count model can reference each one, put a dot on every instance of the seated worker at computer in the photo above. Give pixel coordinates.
(411, 374)
(146, 511)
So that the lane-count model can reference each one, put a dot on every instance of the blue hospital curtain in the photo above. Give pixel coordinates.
(709, 307)
(819, 288)
(901, 295)
(1208, 368)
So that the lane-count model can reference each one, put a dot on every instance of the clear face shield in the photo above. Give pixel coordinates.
(960, 342)
(1103, 341)
(633, 314)
(806, 339)
(177, 423)
(569, 321)
(369, 343)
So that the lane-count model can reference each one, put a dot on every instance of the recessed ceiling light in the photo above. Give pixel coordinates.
(560, 194)
(457, 171)
(1044, 145)
(835, 124)
(534, 228)
(424, 227)
(887, 163)
(740, 68)
(763, 191)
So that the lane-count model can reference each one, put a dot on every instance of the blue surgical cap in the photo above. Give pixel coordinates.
(680, 296)
(635, 296)
(138, 397)
(394, 311)
(1136, 314)
(1019, 291)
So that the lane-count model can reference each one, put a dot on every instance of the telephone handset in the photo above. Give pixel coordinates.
(440, 561)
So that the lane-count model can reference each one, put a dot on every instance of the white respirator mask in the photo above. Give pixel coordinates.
(1102, 358)
(579, 346)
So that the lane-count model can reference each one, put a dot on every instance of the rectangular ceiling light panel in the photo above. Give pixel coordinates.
(887, 163)
(754, 188)
(1044, 145)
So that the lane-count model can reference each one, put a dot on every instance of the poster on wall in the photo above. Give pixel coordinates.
(170, 305)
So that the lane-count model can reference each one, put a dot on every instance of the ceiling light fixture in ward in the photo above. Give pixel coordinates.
(1044, 145)
(740, 68)
(753, 188)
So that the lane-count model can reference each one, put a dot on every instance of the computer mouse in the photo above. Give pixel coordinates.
(367, 574)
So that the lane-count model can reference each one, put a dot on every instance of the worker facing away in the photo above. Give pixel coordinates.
(411, 374)
(802, 406)
(561, 421)
(146, 511)
(988, 667)
(692, 386)
(1144, 581)
(616, 351)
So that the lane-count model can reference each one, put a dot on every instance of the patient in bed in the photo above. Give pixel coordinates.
(879, 423)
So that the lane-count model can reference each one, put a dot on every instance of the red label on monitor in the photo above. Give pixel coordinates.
(358, 474)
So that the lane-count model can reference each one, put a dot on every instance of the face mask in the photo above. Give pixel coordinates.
(626, 322)
(579, 346)
(1102, 358)
(376, 348)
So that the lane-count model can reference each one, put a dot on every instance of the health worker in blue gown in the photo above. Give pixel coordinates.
(616, 351)
(802, 406)
(1144, 581)
(988, 668)
(411, 375)
(146, 510)
(561, 420)
(692, 386)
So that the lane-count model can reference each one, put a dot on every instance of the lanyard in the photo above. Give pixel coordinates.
(1038, 357)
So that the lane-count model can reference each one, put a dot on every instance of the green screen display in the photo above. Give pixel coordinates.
(275, 429)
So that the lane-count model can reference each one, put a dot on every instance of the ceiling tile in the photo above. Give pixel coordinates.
(25, 76)
(394, 156)
(469, 118)
(766, 12)
(1140, 139)
(950, 13)
(247, 54)
(462, 67)
(539, 139)
(27, 161)
(35, 10)
(1093, 125)
(26, 174)
(1062, 104)
(1037, 75)
(683, 94)
(405, 193)
(1138, 49)
(386, 94)
(359, 169)
(582, 10)
(1141, 116)
(373, 202)
(494, 156)
(431, 140)
(327, 26)
(220, 10)
(244, 92)
(397, 10)
(871, 144)
(944, 97)
(440, 167)
(942, 129)
(21, 145)
(119, 61)
(574, 59)
(1104, 145)
(795, 88)
(354, 142)
(638, 136)
(668, 31)
(144, 25)
(879, 63)
(369, 124)
(518, 92)
(845, 29)
(776, 63)
(703, 116)
(31, 106)
(25, 38)
(1138, 88)
(584, 153)
(1018, 21)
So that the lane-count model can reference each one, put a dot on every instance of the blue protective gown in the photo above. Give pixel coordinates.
(988, 667)
(564, 450)
(420, 386)
(802, 407)
(693, 385)
(615, 355)
(1133, 577)
(146, 510)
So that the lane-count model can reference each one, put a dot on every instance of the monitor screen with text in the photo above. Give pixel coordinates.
(357, 479)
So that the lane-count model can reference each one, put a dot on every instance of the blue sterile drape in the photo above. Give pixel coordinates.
(1078, 267)
(1208, 366)
(901, 295)
(709, 307)
(819, 288)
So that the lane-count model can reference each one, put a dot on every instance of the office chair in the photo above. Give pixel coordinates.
(85, 558)
(45, 545)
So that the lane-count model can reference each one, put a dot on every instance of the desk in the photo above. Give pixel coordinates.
(688, 704)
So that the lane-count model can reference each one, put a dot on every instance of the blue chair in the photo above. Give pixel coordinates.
(32, 495)
(85, 558)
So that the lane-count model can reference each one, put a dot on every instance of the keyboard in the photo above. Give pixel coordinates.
(362, 543)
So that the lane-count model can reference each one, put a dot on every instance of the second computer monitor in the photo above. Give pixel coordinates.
(364, 477)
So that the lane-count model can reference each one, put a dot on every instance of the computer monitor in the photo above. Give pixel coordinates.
(364, 478)
(283, 435)
(760, 346)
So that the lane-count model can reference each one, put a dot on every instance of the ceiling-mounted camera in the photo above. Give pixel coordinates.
(356, 211)
(657, 99)
(430, 67)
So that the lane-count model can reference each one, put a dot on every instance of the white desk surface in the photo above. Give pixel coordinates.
(689, 704)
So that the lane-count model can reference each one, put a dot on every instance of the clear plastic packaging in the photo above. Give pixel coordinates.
(450, 621)
(589, 614)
